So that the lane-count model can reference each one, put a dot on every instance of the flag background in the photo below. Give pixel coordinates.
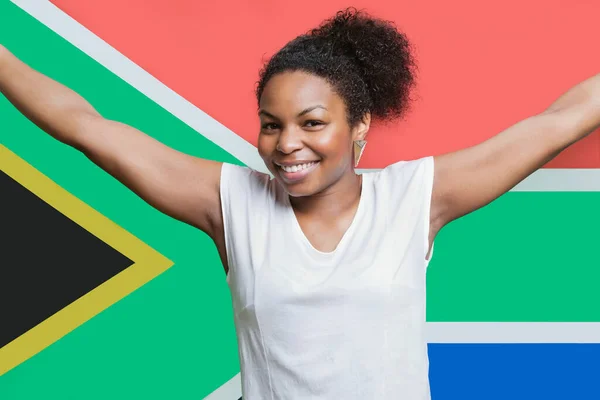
(529, 257)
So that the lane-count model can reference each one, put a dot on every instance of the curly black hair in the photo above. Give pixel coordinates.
(368, 62)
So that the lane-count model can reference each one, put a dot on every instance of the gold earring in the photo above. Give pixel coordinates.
(359, 147)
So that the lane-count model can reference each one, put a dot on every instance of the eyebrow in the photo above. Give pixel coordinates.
(305, 111)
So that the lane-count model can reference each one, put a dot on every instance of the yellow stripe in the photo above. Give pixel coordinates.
(148, 263)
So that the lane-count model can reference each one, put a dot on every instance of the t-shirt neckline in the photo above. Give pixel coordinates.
(322, 256)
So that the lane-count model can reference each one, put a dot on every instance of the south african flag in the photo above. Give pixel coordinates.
(102, 296)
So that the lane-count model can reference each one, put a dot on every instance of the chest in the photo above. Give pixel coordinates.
(374, 273)
(311, 318)
(324, 234)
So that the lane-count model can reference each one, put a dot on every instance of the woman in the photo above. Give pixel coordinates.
(326, 267)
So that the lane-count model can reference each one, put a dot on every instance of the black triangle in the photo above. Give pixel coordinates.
(47, 261)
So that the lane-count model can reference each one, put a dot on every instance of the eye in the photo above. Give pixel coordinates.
(269, 126)
(313, 123)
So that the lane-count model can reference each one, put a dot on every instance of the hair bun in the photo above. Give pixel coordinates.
(381, 53)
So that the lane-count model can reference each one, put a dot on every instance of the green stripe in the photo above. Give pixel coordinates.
(173, 338)
(525, 257)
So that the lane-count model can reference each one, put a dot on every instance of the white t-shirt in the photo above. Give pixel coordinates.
(349, 324)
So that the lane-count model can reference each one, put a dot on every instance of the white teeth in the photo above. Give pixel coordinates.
(296, 168)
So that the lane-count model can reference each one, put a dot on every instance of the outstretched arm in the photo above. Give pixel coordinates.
(468, 179)
(182, 186)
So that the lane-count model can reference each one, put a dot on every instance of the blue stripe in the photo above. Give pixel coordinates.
(514, 371)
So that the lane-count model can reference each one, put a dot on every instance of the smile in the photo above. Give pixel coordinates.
(298, 167)
(296, 172)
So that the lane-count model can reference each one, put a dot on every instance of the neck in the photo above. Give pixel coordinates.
(339, 198)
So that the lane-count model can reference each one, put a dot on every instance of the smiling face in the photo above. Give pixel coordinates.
(305, 139)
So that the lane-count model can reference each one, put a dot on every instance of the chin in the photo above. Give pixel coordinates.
(296, 190)
(299, 189)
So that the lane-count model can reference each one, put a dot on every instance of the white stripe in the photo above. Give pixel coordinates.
(561, 180)
(230, 390)
(553, 180)
(477, 332)
(79, 36)
(513, 332)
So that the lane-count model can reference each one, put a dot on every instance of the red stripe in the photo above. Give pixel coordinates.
(483, 66)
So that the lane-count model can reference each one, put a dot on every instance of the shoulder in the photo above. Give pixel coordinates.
(404, 182)
(240, 184)
(237, 176)
(406, 171)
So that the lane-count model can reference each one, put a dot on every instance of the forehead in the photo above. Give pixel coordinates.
(289, 92)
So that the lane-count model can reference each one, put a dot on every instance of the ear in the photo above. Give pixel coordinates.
(359, 132)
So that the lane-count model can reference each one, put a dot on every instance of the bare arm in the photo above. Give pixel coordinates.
(471, 178)
(182, 186)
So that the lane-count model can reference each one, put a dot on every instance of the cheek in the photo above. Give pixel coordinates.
(334, 144)
(266, 145)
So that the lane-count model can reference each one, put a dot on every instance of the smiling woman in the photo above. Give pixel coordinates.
(327, 266)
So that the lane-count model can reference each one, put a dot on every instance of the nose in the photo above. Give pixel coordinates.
(289, 141)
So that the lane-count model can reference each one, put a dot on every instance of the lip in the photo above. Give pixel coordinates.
(293, 177)
(295, 162)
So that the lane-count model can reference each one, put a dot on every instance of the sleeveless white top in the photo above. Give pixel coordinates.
(349, 324)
